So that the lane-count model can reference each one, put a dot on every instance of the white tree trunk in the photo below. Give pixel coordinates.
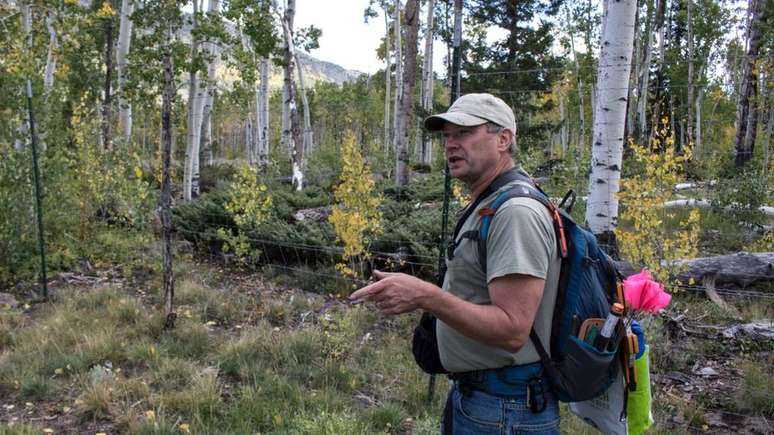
(768, 118)
(609, 113)
(209, 95)
(564, 134)
(746, 107)
(288, 97)
(387, 85)
(690, 96)
(26, 9)
(290, 112)
(581, 142)
(194, 118)
(398, 75)
(425, 144)
(263, 110)
(248, 137)
(644, 74)
(405, 109)
(308, 143)
(697, 146)
(53, 44)
(124, 42)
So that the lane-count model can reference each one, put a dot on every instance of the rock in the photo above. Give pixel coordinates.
(9, 300)
(315, 214)
(678, 377)
(758, 329)
(707, 371)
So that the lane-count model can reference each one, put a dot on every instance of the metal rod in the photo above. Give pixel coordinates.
(454, 94)
(38, 195)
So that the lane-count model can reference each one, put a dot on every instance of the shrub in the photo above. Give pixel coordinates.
(356, 217)
(741, 196)
(652, 235)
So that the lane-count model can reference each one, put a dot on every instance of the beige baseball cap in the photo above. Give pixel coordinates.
(474, 109)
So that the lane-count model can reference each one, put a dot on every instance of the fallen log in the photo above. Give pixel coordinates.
(315, 214)
(740, 269)
(695, 184)
(703, 203)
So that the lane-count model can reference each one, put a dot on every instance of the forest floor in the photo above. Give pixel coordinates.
(249, 354)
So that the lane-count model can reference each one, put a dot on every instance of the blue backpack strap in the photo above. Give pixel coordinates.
(487, 213)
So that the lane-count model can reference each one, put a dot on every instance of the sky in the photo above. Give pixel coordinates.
(346, 39)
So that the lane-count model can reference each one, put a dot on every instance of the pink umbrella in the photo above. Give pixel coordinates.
(644, 294)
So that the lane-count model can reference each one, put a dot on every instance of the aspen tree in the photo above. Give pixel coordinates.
(404, 111)
(609, 116)
(124, 42)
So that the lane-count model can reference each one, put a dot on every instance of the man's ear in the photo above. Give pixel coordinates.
(505, 138)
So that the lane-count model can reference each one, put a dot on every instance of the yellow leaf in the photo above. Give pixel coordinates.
(106, 10)
(58, 371)
(184, 427)
(150, 414)
(278, 420)
(137, 172)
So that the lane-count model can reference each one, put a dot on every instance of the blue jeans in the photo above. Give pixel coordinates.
(475, 412)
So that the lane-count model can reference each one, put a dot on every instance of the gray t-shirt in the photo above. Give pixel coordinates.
(521, 240)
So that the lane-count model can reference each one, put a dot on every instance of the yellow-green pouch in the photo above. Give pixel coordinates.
(638, 411)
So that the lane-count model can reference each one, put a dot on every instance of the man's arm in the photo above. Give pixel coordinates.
(505, 323)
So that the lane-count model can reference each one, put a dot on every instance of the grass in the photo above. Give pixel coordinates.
(280, 361)
(237, 363)
(757, 392)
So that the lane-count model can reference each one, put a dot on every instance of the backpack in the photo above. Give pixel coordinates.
(588, 285)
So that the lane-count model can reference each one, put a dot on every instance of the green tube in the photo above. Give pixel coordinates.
(638, 409)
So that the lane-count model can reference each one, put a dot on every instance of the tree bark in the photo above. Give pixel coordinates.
(205, 136)
(387, 85)
(290, 127)
(53, 45)
(609, 114)
(406, 112)
(124, 42)
(166, 187)
(308, 136)
(658, 99)
(768, 122)
(195, 105)
(107, 102)
(564, 134)
(741, 269)
(746, 110)
(581, 142)
(697, 145)
(248, 140)
(288, 91)
(424, 142)
(398, 75)
(644, 73)
(263, 140)
(690, 90)
(26, 16)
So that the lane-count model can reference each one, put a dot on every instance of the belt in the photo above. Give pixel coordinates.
(511, 381)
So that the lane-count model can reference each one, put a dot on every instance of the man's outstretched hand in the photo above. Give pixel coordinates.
(397, 293)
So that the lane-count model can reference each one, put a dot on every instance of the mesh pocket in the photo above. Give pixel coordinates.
(585, 372)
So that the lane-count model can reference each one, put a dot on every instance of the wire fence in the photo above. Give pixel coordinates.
(289, 255)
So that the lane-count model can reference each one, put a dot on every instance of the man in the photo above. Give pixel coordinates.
(485, 316)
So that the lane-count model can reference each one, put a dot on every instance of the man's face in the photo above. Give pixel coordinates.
(470, 151)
